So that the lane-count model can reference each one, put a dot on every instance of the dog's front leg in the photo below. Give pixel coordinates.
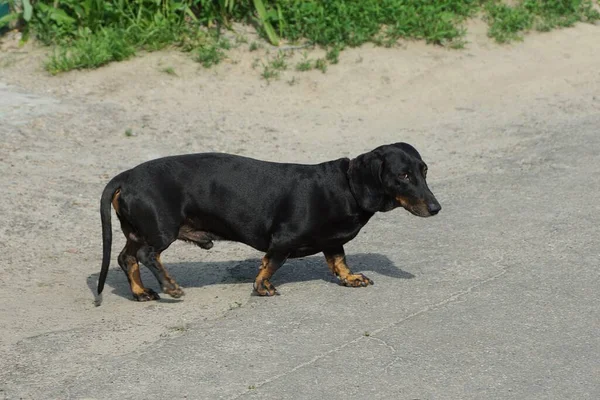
(270, 263)
(336, 260)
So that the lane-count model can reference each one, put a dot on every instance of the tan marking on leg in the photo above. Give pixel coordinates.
(115, 200)
(135, 279)
(174, 290)
(337, 265)
(129, 264)
(262, 286)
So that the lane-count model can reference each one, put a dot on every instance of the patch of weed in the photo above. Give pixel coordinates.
(333, 55)
(356, 22)
(279, 63)
(458, 44)
(90, 50)
(269, 73)
(169, 71)
(212, 52)
(321, 65)
(253, 46)
(508, 23)
(304, 65)
(209, 55)
(224, 43)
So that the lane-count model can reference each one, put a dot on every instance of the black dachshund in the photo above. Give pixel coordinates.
(284, 210)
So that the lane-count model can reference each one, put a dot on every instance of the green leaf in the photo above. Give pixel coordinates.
(7, 19)
(190, 14)
(27, 10)
(61, 17)
(262, 15)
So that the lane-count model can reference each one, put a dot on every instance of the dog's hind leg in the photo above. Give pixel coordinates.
(129, 264)
(155, 227)
(151, 259)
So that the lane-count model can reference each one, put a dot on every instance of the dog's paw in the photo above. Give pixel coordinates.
(174, 292)
(265, 288)
(355, 280)
(146, 295)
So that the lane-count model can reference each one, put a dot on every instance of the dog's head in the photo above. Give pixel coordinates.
(391, 176)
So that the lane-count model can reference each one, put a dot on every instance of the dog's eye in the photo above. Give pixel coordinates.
(404, 177)
(425, 172)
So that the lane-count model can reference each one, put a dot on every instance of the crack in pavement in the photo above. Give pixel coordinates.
(450, 299)
(382, 342)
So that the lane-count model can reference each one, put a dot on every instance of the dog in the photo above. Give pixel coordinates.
(284, 210)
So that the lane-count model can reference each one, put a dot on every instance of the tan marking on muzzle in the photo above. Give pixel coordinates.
(418, 208)
(403, 201)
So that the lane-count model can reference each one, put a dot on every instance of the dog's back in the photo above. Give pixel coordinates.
(223, 194)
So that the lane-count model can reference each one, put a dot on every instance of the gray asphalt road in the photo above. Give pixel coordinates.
(496, 298)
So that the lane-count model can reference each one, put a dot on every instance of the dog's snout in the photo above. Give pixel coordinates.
(433, 208)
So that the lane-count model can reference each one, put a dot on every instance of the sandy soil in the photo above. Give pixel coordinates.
(63, 137)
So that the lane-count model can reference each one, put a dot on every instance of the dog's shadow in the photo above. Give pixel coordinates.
(199, 274)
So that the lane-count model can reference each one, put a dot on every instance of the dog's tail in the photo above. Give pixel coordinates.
(105, 203)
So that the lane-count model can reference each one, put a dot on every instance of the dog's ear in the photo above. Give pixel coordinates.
(407, 148)
(365, 176)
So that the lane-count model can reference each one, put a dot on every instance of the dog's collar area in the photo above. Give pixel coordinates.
(349, 177)
(351, 164)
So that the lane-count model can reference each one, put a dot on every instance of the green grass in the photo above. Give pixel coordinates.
(169, 71)
(321, 65)
(90, 50)
(269, 73)
(354, 22)
(509, 23)
(304, 65)
(333, 55)
(209, 55)
(279, 63)
(254, 46)
(212, 52)
(272, 69)
(92, 33)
